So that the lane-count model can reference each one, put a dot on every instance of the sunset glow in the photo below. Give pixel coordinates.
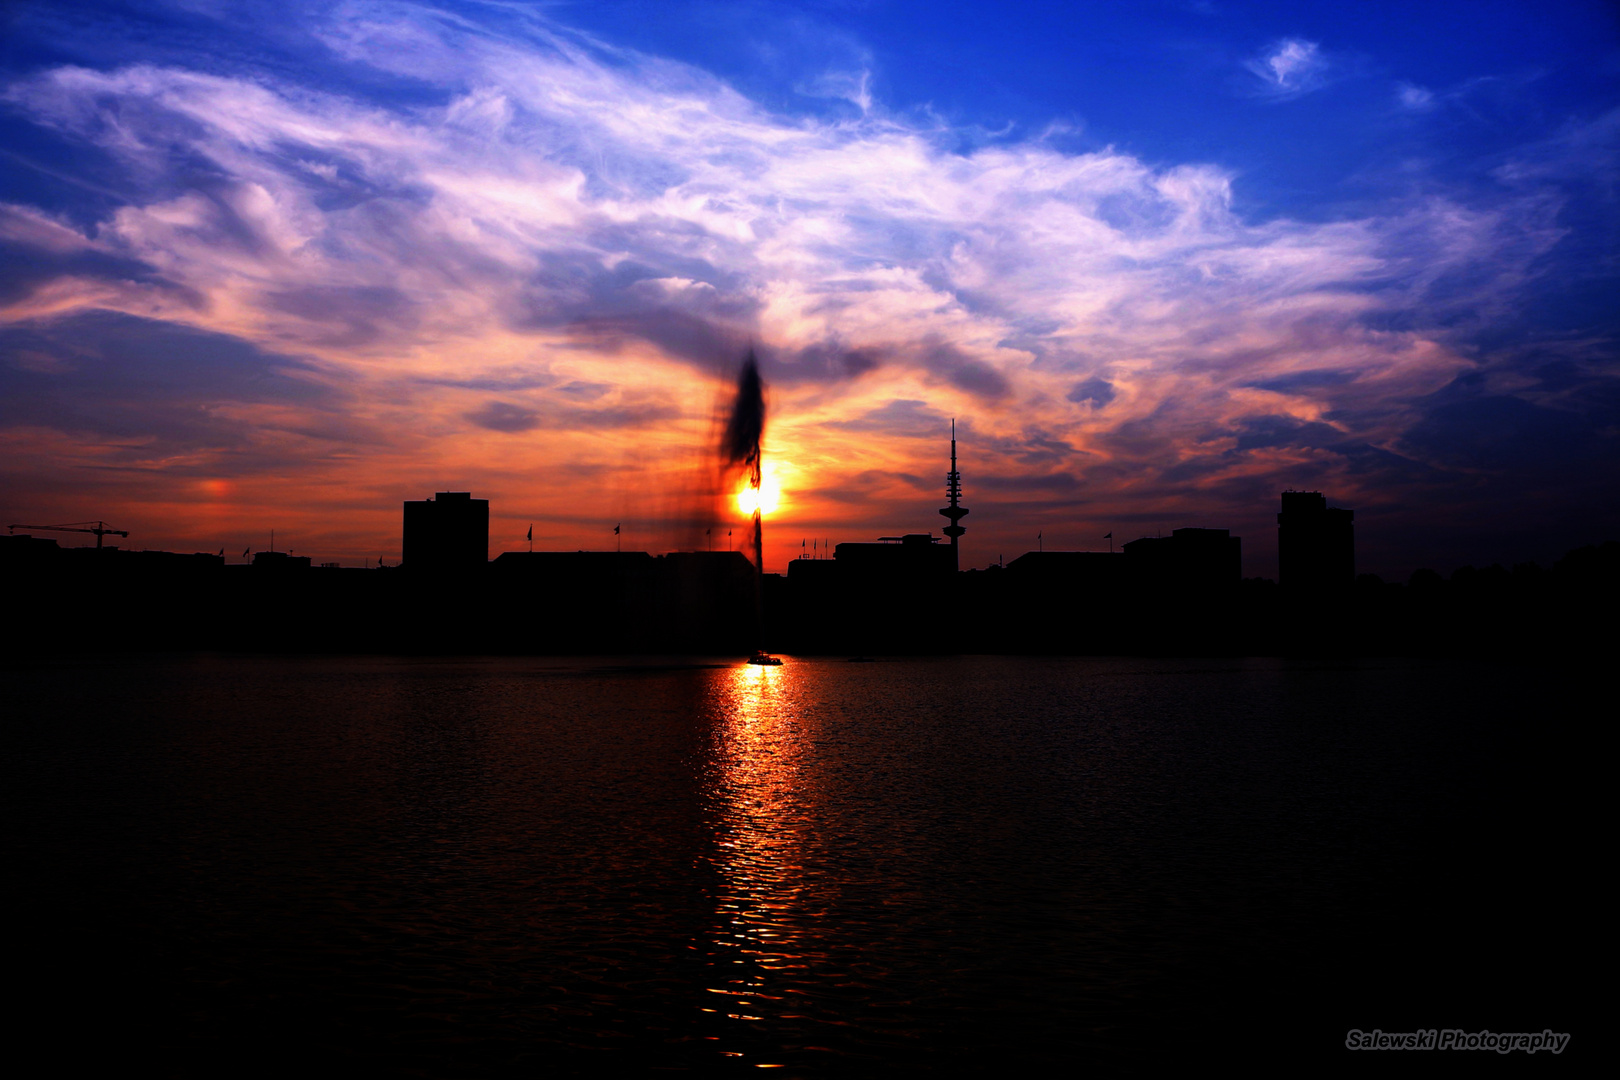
(502, 253)
(765, 499)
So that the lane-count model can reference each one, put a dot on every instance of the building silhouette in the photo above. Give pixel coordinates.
(1179, 594)
(1316, 545)
(894, 593)
(1188, 562)
(448, 533)
(280, 561)
(1050, 601)
(955, 512)
(914, 555)
(614, 601)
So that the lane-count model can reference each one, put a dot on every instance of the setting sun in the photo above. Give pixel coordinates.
(765, 499)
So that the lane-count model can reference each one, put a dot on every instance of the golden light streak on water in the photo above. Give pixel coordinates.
(761, 814)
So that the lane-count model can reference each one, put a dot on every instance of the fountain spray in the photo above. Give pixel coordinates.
(741, 446)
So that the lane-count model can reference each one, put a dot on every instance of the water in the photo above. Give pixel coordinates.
(504, 866)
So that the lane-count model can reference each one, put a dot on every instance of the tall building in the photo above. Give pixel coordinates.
(1316, 544)
(447, 533)
(955, 512)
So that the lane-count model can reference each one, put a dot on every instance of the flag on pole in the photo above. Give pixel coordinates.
(615, 530)
(222, 553)
(1108, 536)
(246, 553)
(530, 537)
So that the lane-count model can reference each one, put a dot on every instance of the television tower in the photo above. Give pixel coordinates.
(953, 492)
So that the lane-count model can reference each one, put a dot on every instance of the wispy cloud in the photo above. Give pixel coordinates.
(1290, 67)
(567, 215)
(854, 87)
(1416, 98)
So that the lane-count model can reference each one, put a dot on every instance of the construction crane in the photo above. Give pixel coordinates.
(98, 527)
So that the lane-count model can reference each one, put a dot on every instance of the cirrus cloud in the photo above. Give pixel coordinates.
(566, 214)
(1290, 67)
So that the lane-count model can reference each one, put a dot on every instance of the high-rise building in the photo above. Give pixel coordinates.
(447, 533)
(1316, 544)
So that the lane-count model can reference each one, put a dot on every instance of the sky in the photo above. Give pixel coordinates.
(283, 266)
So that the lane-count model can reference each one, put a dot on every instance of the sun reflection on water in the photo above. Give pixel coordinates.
(761, 817)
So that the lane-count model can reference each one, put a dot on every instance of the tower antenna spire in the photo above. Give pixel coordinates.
(954, 512)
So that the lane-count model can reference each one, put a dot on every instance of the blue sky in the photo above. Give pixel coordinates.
(294, 262)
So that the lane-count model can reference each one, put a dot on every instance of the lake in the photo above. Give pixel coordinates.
(502, 866)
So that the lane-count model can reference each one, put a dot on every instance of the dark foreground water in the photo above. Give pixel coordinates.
(223, 865)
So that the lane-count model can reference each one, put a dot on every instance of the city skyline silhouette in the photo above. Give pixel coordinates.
(1178, 593)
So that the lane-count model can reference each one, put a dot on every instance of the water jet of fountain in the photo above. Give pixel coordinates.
(741, 447)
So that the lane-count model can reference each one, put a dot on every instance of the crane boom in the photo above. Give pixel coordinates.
(99, 528)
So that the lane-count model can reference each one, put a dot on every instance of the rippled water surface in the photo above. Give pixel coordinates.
(505, 866)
